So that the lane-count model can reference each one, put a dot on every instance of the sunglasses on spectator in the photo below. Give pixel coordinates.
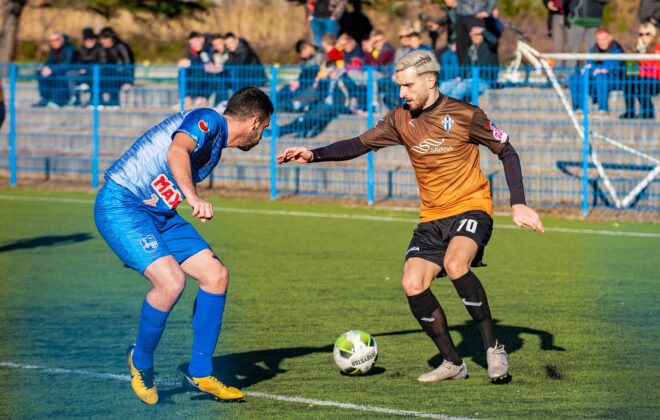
(405, 36)
(645, 34)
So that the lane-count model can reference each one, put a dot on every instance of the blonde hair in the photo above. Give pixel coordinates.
(643, 46)
(423, 61)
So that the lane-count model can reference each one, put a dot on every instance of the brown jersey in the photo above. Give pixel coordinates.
(442, 142)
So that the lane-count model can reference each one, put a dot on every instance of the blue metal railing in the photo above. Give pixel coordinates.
(587, 160)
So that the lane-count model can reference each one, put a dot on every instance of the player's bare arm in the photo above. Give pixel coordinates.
(178, 158)
(338, 151)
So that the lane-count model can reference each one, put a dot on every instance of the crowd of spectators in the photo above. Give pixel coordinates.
(342, 41)
(67, 71)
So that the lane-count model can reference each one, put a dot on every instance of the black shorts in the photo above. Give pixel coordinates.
(431, 239)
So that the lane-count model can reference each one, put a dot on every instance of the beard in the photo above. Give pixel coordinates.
(250, 140)
(418, 104)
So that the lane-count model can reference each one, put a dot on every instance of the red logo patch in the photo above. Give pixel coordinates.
(203, 126)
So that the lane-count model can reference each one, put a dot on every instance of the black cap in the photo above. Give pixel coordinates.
(88, 33)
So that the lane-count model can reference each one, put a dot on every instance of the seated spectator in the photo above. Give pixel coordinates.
(377, 51)
(91, 53)
(214, 69)
(2, 105)
(241, 54)
(417, 44)
(646, 84)
(604, 75)
(405, 32)
(55, 76)
(335, 93)
(197, 57)
(311, 60)
(482, 53)
(352, 51)
(332, 53)
(448, 59)
(118, 73)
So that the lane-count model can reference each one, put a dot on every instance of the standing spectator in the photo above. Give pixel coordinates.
(583, 19)
(470, 13)
(377, 51)
(197, 57)
(91, 53)
(247, 70)
(311, 60)
(2, 105)
(448, 20)
(604, 75)
(117, 74)
(647, 84)
(355, 23)
(323, 17)
(54, 88)
(556, 24)
(482, 53)
(649, 11)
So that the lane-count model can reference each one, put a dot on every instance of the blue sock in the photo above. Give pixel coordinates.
(207, 320)
(152, 325)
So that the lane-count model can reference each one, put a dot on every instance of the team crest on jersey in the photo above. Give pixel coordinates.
(203, 126)
(149, 243)
(433, 146)
(165, 190)
(447, 123)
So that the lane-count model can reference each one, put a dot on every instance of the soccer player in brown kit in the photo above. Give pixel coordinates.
(442, 137)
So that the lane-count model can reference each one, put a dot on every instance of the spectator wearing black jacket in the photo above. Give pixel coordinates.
(649, 11)
(117, 73)
(197, 57)
(583, 18)
(2, 105)
(53, 77)
(245, 68)
(91, 53)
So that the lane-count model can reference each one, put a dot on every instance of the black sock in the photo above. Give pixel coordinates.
(474, 298)
(431, 317)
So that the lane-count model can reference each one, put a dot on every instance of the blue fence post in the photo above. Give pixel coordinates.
(12, 125)
(370, 124)
(96, 86)
(585, 142)
(475, 86)
(182, 88)
(274, 131)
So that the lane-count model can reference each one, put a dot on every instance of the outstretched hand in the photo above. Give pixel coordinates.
(295, 154)
(524, 216)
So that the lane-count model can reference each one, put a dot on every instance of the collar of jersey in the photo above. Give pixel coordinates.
(430, 108)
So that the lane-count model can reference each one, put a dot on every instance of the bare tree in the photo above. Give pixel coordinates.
(11, 15)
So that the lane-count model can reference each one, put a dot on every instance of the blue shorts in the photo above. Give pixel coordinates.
(138, 235)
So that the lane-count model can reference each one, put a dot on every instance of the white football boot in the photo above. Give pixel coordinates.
(498, 365)
(447, 370)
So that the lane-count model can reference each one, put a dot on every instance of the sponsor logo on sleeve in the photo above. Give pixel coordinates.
(203, 126)
(165, 190)
(498, 134)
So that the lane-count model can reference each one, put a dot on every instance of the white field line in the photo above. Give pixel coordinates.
(285, 398)
(344, 216)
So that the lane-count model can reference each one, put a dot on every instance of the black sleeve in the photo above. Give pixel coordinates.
(513, 174)
(341, 150)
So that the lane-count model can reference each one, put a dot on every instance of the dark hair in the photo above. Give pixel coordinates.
(88, 33)
(107, 32)
(230, 35)
(249, 102)
(302, 43)
(217, 36)
(193, 34)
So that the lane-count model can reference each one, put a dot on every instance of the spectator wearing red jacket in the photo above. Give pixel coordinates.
(646, 84)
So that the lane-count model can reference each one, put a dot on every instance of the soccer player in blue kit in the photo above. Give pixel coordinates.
(135, 212)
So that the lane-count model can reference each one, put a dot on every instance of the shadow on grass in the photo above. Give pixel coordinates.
(245, 369)
(45, 241)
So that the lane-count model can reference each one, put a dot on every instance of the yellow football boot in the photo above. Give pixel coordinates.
(212, 385)
(142, 381)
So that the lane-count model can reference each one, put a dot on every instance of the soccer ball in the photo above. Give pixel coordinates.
(355, 352)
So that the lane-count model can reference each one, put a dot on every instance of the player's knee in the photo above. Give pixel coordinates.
(173, 287)
(455, 267)
(412, 284)
(216, 280)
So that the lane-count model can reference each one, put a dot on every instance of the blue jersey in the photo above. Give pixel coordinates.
(144, 170)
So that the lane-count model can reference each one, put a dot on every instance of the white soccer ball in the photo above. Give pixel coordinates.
(355, 352)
